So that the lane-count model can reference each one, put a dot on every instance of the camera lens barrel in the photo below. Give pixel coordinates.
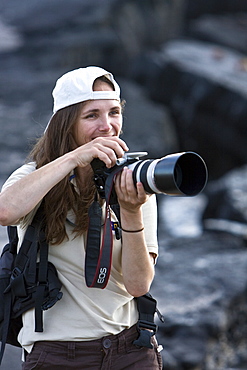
(179, 174)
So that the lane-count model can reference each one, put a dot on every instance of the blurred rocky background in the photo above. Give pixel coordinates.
(182, 66)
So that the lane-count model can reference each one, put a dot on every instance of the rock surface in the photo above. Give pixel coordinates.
(226, 209)
(201, 288)
(204, 86)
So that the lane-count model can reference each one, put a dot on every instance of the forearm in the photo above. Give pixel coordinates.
(137, 265)
(20, 198)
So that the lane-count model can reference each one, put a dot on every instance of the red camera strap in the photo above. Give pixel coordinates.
(99, 252)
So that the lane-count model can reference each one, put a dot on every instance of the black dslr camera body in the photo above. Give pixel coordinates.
(178, 174)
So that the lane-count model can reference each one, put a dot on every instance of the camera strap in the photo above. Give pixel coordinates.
(99, 250)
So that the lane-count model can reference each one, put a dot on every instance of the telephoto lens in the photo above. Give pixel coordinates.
(178, 174)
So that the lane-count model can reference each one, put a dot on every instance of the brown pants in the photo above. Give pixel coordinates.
(115, 352)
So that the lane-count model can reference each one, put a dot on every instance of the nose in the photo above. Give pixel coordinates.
(105, 124)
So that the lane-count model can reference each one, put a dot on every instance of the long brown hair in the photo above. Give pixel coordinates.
(63, 197)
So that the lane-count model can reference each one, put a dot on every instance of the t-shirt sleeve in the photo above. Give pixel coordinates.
(13, 178)
(18, 174)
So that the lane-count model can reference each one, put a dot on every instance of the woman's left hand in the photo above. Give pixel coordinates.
(130, 197)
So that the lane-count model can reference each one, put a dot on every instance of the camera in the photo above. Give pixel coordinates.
(178, 174)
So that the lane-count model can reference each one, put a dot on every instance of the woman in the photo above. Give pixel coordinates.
(89, 328)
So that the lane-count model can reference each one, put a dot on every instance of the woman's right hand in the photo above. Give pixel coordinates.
(107, 149)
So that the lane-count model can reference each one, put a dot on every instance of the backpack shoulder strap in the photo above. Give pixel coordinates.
(27, 254)
(147, 307)
(26, 258)
(13, 239)
(34, 241)
(7, 258)
(42, 281)
(146, 327)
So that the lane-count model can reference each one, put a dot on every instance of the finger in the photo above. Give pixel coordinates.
(123, 144)
(122, 180)
(120, 183)
(109, 150)
(113, 142)
(106, 155)
(129, 183)
(141, 193)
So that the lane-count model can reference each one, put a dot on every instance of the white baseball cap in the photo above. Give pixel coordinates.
(77, 86)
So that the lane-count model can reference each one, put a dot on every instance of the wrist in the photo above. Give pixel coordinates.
(70, 159)
(131, 213)
(131, 220)
(133, 231)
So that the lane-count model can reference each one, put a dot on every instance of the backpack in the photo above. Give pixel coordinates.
(24, 282)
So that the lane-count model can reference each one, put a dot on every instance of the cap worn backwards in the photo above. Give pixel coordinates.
(77, 86)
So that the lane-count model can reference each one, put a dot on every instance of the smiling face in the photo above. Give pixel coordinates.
(98, 118)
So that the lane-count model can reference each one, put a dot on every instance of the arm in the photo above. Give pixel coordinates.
(20, 198)
(137, 263)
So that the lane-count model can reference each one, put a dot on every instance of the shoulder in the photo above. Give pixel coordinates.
(19, 173)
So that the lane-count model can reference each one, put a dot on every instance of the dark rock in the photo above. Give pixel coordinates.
(194, 9)
(205, 90)
(226, 209)
(228, 30)
(147, 125)
(20, 125)
(64, 35)
(198, 282)
(143, 26)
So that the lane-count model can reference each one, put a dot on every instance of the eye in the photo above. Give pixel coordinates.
(115, 112)
(91, 115)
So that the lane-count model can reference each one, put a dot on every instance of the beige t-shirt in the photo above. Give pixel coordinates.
(85, 313)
